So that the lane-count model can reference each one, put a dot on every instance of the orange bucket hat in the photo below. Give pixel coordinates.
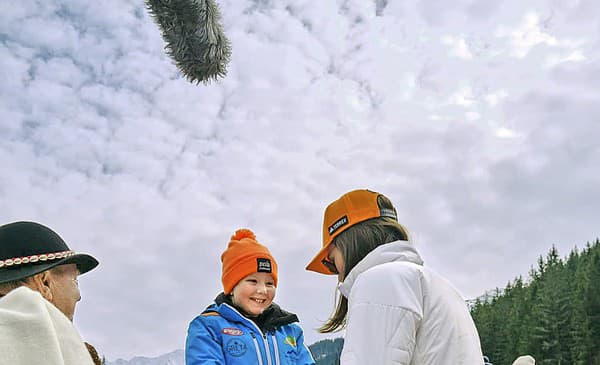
(351, 208)
(245, 256)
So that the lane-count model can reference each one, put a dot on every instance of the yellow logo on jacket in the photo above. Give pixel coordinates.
(290, 340)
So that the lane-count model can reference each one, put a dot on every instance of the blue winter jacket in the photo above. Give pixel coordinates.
(222, 335)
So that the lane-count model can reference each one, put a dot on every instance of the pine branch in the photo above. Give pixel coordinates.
(194, 37)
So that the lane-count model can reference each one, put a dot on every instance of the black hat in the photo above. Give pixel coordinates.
(29, 248)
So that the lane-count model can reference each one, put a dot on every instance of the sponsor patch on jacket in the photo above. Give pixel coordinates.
(263, 265)
(338, 224)
(290, 340)
(235, 347)
(232, 331)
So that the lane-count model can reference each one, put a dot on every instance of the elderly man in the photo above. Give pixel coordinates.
(38, 294)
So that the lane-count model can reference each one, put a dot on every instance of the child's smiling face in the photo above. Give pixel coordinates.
(254, 293)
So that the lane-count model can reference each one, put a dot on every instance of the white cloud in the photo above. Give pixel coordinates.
(459, 47)
(503, 132)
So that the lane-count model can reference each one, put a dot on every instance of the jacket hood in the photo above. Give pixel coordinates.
(389, 252)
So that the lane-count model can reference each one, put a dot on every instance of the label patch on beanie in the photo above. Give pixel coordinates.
(263, 265)
(337, 225)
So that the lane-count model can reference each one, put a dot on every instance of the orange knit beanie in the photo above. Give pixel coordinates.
(245, 256)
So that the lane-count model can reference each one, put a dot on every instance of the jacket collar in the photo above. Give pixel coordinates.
(272, 318)
(390, 252)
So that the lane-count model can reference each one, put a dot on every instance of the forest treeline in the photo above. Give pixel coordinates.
(327, 352)
(553, 316)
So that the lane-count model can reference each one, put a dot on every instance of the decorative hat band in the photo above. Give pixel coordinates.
(36, 258)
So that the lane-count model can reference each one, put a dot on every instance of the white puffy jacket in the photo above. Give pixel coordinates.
(401, 313)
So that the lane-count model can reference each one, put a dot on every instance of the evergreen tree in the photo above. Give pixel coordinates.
(591, 300)
(580, 321)
(554, 314)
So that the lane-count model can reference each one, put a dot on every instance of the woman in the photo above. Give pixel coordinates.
(243, 325)
(395, 311)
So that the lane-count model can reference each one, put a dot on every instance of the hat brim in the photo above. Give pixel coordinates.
(316, 264)
(83, 261)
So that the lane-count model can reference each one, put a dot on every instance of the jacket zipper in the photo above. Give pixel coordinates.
(276, 348)
(269, 362)
(264, 336)
(258, 354)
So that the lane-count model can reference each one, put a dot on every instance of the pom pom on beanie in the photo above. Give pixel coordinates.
(243, 233)
(244, 256)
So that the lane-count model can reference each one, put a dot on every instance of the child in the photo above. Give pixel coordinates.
(243, 325)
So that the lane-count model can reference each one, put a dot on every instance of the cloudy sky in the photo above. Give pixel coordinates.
(480, 120)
